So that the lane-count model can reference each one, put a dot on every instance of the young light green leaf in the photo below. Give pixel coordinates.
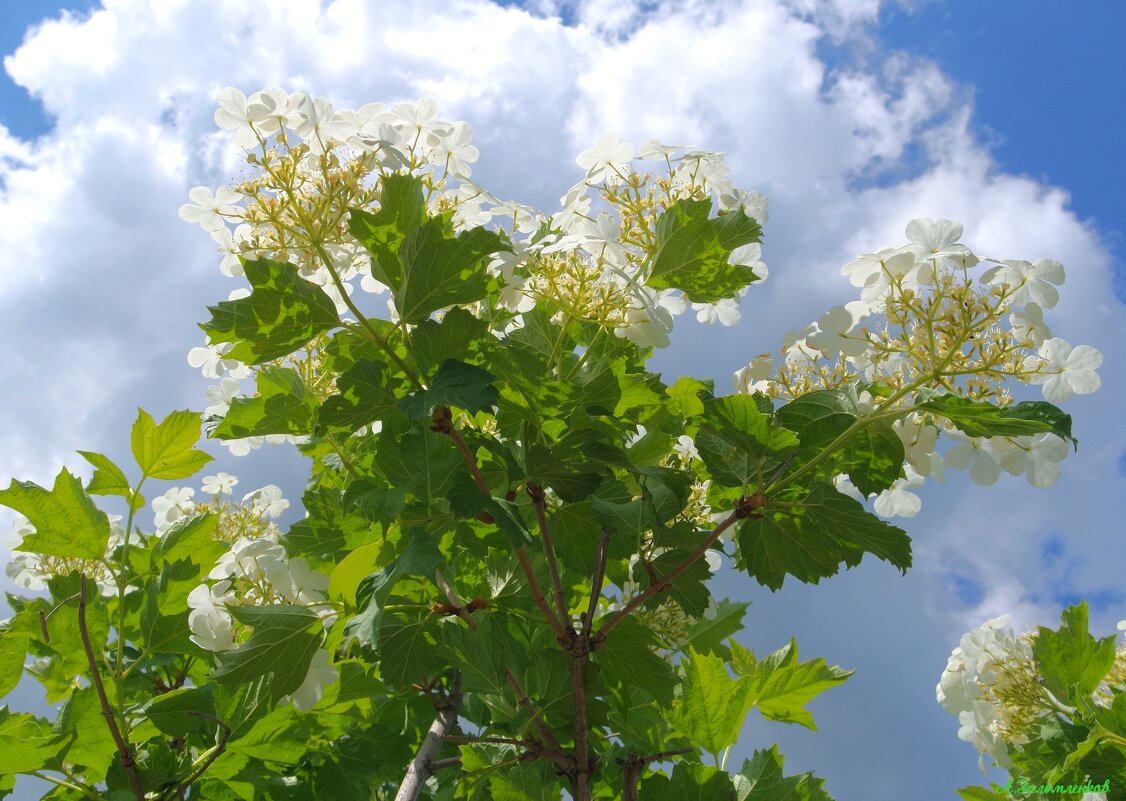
(781, 686)
(66, 521)
(693, 251)
(761, 779)
(283, 643)
(181, 712)
(167, 451)
(282, 313)
(13, 652)
(108, 479)
(707, 634)
(628, 658)
(688, 782)
(1071, 661)
(712, 705)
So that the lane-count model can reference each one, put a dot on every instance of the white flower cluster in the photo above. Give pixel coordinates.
(316, 162)
(32, 571)
(257, 572)
(984, 657)
(178, 502)
(923, 323)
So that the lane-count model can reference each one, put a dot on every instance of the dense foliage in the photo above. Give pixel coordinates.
(500, 588)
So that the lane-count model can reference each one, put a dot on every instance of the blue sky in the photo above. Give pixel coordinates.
(853, 116)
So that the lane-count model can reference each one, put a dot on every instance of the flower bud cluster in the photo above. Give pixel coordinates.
(930, 319)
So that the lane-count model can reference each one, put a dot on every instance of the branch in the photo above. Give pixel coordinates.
(461, 611)
(535, 492)
(123, 749)
(442, 423)
(423, 764)
(632, 765)
(537, 595)
(581, 727)
(665, 581)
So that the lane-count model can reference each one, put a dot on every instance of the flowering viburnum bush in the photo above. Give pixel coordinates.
(500, 588)
(1047, 706)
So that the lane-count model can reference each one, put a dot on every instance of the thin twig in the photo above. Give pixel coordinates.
(665, 581)
(539, 504)
(450, 762)
(596, 583)
(632, 765)
(123, 749)
(538, 596)
(580, 726)
(44, 618)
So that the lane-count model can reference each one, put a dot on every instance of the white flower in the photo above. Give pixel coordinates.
(898, 500)
(209, 620)
(454, 152)
(755, 377)
(1034, 282)
(873, 271)
(753, 204)
(750, 255)
(272, 109)
(220, 397)
(210, 210)
(267, 501)
(321, 674)
(978, 454)
(607, 161)
(1064, 370)
(173, 505)
(686, 447)
(937, 240)
(418, 122)
(219, 484)
(1028, 325)
(834, 334)
(919, 445)
(725, 312)
(1036, 456)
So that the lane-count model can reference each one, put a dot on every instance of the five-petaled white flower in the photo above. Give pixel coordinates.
(210, 209)
(607, 161)
(1064, 370)
(1034, 282)
(219, 484)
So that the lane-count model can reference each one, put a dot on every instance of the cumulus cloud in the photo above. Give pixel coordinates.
(102, 283)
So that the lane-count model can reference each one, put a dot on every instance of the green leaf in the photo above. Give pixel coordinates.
(508, 520)
(688, 783)
(712, 705)
(108, 479)
(426, 268)
(27, 743)
(741, 421)
(628, 658)
(283, 643)
(164, 615)
(167, 451)
(482, 654)
(190, 538)
(363, 396)
(781, 686)
(708, 633)
(426, 462)
(281, 315)
(181, 712)
(420, 557)
(13, 651)
(66, 521)
(570, 484)
(283, 405)
(454, 384)
(810, 540)
(408, 649)
(873, 457)
(402, 208)
(762, 779)
(979, 794)
(458, 335)
(985, 419)
(693, 249)
(90, 744)
(1071, 661)
(818, 418)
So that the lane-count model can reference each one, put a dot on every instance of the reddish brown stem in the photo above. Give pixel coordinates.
(596, 583)
(538, 596)
(123, 750)
(538, 503)
(665, 581)
(553, 751)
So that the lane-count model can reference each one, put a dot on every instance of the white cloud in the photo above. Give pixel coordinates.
(102, 283)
